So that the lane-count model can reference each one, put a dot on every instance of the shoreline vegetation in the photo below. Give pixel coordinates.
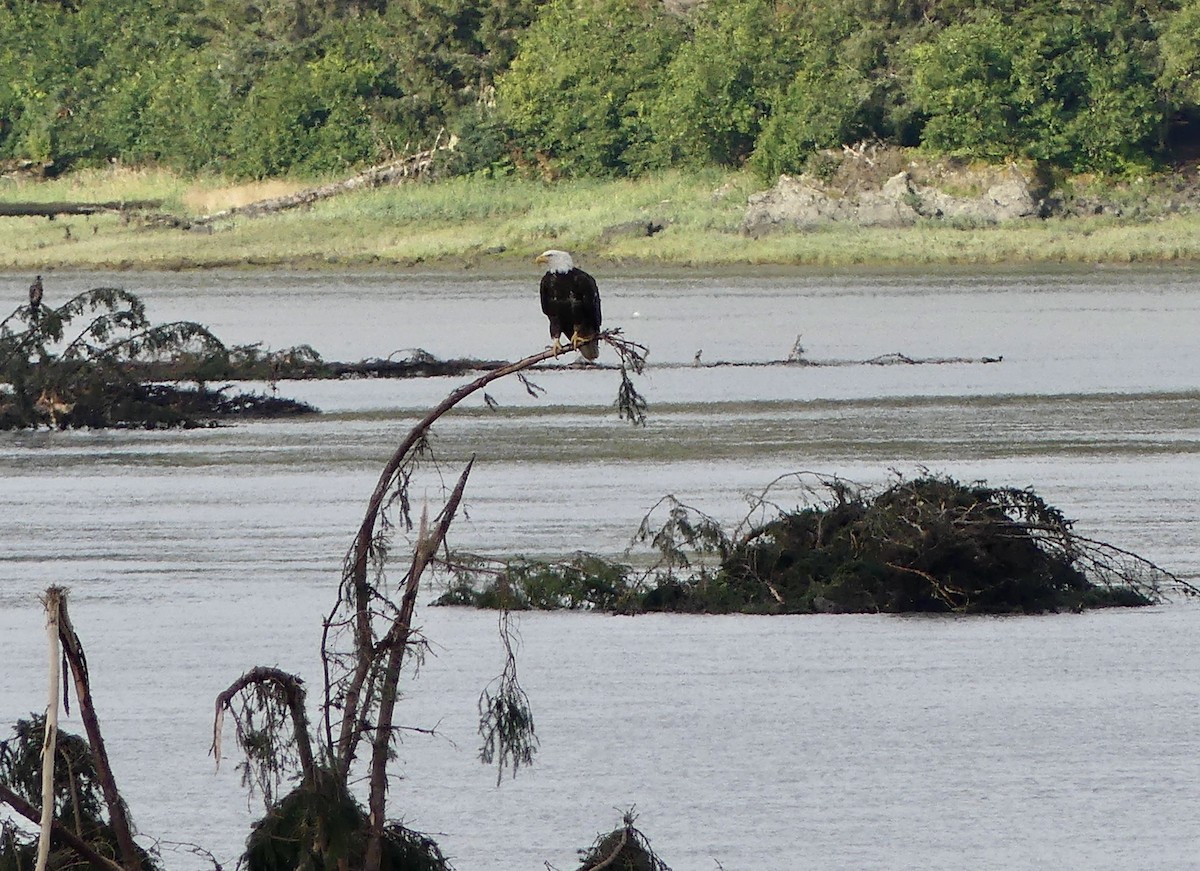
(663, 221)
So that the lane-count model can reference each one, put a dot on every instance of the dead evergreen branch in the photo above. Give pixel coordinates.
(929, 544)
(367, 639)
(505, 717)
(270, 721)
(94, 361)
(85, 850)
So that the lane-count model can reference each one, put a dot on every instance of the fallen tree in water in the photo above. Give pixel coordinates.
(369, 641)
(304, 363)
(930, 544)
(109, 372)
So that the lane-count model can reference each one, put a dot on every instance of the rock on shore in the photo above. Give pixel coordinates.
(803, 201)
(876, 185)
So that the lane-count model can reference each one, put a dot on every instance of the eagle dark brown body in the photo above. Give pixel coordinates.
(571, 302)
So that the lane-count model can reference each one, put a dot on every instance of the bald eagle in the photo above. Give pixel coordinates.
(35, 296)
(571, 301)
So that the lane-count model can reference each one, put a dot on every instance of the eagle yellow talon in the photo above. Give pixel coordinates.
(556, 347)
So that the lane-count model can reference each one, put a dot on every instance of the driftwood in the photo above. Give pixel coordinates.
(51, 210)
(409, 166)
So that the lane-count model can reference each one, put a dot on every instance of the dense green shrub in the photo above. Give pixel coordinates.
(594, 87)
(844, 87)
(722, 82)
(1074, 91)
(962, 80)
(579, 92)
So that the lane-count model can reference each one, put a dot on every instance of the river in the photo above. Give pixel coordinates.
(856, 742)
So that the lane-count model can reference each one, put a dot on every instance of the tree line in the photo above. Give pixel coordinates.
(594, 87)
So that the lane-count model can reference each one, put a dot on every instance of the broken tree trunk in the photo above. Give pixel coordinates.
(117, 817)
(52, 602)
(396, 643)
(355, 572)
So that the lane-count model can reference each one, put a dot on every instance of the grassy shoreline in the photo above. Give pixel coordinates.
(500, 224)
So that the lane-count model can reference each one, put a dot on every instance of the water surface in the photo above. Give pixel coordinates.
(816, 742)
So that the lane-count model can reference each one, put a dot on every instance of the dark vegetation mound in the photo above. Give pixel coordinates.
(109, 372)
(325, 814)
(623, 849)
(78, 798)
(926, 545)
(930, 544)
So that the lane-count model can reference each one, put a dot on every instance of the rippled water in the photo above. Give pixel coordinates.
(815, 742)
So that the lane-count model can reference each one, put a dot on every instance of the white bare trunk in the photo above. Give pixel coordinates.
(52, 602)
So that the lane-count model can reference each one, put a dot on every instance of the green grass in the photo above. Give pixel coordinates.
(504, 222)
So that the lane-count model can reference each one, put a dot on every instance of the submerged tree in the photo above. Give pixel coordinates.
(926, 544)
(930, 544)
(368, 640)
(92, 362)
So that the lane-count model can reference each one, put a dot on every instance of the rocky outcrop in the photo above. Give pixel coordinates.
(803, 201)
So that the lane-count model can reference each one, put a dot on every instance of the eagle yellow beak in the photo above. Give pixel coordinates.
(541, 258)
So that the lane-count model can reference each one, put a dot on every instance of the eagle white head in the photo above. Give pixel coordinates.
(556, 261)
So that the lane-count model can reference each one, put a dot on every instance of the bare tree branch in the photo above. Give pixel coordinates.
(76, 843)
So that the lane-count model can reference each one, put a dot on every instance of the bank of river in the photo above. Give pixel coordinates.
(501, 224)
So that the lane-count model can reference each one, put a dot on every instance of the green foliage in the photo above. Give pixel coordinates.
(252, 89)
(1179, 48)
(962, 80)
(1075, 92)
(579, 92)
(842, 87)
(1086, 88)
(722, 80)
(483, 143)
(590, 87)
(583, 583)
